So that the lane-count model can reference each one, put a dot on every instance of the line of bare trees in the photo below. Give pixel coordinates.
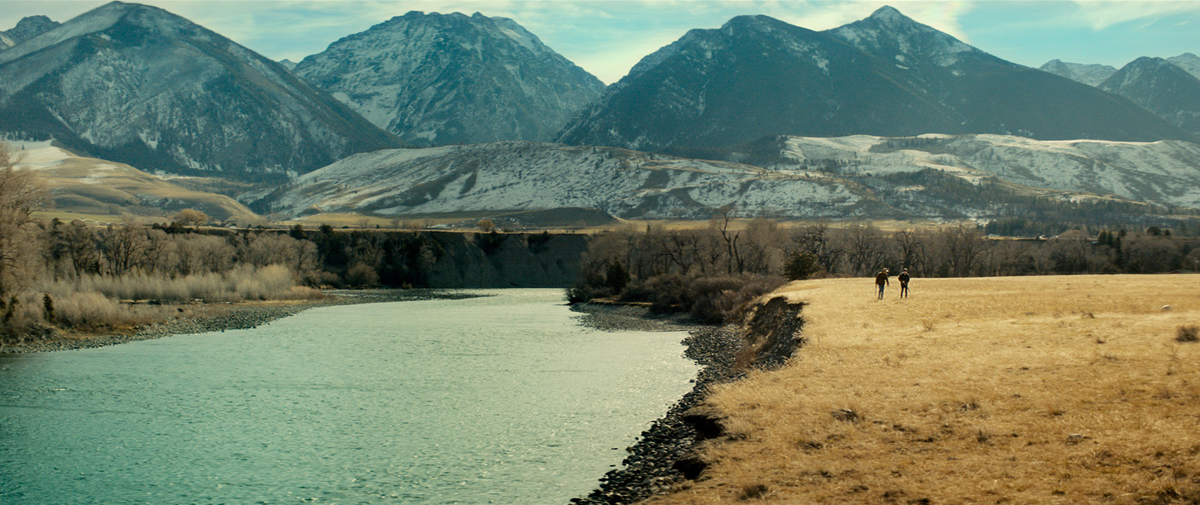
(623, 260)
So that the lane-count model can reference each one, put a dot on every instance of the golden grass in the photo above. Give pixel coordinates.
(992, 390)
(91, 186)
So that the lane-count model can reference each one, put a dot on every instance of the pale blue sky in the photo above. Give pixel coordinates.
(608, 37)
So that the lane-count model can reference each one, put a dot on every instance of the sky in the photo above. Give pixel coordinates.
(608, 37)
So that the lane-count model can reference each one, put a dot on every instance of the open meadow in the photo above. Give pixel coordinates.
(1061, 389)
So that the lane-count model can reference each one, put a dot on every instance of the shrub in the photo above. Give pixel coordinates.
(617, 277)
(801, 265)
(584, 291)
(1187, 334)
(242, 283)
(665, 293)
(715, 300)
(362, 274)
(711, 300)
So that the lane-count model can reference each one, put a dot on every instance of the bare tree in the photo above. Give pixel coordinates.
(20, 193)
(720, 221)
(961, 247)
(908, 246)
(866, 249)
(763, 244)
(816, 240)
(125, 247)
(1150, 253)
(80, 254)
(202, 253)
(191, 217)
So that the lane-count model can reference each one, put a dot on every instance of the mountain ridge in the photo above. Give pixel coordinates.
(27, 28)
(884, 75)
(137, 84)
(436, 79)
(868, 177)
(1161, 87)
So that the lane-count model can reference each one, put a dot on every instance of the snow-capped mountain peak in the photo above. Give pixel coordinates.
(894, 36)
(1092, 75)
(140, 85)
(437, 79)
(1187, 61)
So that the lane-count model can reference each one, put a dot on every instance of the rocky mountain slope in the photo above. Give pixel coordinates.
(139, 85)
(1090, 74)
(436, 79)
(1161, 87)
(930, 177)
(1163, 172)
(885, 75)
(27, 28)
(1187, 61)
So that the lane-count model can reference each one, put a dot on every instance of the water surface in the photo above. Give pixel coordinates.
(501, 399)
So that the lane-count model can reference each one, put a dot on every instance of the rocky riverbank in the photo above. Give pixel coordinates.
(662, 456)
(206, 317)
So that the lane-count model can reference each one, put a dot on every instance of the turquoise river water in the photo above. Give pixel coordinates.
(503, 399)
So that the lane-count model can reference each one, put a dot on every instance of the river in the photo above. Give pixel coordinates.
(500, 399)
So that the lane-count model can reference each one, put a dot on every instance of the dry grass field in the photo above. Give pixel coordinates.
(987, 390)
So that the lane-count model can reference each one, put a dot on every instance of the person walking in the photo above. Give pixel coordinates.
(881, 280)
(903, 278)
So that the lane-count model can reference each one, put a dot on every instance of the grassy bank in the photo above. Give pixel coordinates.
(992, 390)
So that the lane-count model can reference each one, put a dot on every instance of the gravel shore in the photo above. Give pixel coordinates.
(206, 317)
(662, 454)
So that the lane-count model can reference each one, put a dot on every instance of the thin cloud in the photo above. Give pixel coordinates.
(1103, 14)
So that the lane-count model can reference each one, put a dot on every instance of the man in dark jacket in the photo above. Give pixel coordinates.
(903, 278)
(881, 280)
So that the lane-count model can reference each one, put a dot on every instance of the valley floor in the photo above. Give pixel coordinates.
(987, 390)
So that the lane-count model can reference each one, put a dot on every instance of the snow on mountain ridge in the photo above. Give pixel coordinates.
(138, 84)
(1090, 74)
(914, 41)
(1187, 61)
(1159, 172)
(448, 78)
(812, 177)
(534, 176)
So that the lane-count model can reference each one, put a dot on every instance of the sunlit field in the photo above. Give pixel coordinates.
(992, 390)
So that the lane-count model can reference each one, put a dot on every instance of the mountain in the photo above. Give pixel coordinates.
(867, 177)
(139, 85)
(885, 75)
(1090, 74)
(1162, 88)
(437, 79)
(27, 28)
(1187, 61)
(1162, 172)
(509, 177)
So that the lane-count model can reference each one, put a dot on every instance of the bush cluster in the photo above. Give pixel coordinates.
(708, 299)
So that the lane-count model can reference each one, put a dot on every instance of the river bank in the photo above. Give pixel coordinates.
(664, 456)
(205, 317)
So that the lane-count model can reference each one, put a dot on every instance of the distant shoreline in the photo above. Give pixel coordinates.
(209, 317)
